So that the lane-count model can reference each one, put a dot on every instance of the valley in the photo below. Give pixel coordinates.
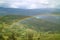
(20, 27)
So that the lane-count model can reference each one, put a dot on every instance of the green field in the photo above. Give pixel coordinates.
(17, 27)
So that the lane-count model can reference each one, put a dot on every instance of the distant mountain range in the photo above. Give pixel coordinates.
(27, 12)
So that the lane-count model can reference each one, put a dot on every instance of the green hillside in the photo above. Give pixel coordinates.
(16, 27)
(41, 25)
(9, 19)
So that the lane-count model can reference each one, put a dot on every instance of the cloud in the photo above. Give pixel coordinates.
(29, 4)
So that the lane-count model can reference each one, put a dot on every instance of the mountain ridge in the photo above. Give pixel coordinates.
(27, 12)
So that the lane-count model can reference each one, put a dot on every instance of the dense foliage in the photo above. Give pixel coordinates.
(12, 27)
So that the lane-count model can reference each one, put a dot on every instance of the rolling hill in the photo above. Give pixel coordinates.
(23, 24)
(43, 24)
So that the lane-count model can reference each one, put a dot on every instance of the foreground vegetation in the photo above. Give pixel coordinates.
(29, 36)
(29, 29)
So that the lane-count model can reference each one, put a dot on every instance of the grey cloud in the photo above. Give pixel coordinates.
(30, 3)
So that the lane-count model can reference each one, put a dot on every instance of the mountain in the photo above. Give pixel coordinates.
(44, 23)
(20, 24)
(41, 24)
(27, 12)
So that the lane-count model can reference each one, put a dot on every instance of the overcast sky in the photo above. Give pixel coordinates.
(30, 4)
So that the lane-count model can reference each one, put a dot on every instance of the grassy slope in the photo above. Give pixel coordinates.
(29, 27)
(9, 19)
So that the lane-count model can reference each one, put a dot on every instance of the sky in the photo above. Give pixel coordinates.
(30, 4)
